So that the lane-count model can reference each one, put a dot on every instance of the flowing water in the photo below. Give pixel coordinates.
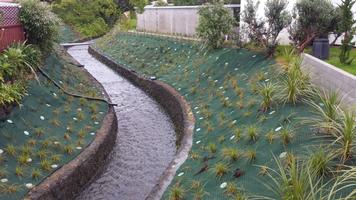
(145, 142)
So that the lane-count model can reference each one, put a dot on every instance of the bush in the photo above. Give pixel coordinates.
(215, 21)
(89, 18)
(40, 24)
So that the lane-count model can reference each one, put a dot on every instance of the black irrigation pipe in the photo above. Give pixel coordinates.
(72, 94)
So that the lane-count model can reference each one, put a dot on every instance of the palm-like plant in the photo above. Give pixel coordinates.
(345, 133)
(267, 92)
(298, 181)
(325, 112)
(296, 85)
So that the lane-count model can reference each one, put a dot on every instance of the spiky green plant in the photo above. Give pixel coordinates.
(286, 134)
(325, 112)
(212, 148)
(251, 155)
(295, 85)
(320, 161)
(220, 169)
(298, 181)
(230, 153)
(176, 193)
(267, 92)
(345, 132)
(252, 132)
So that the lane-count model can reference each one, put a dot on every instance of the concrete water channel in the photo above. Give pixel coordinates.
(145, 142)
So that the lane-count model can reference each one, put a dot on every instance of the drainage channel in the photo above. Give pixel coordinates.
(145, 141)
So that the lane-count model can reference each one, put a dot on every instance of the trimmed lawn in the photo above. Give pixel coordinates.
(334, 60)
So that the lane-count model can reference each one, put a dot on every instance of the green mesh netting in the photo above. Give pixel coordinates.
(206, 80)
(48, 128)
(66, 34)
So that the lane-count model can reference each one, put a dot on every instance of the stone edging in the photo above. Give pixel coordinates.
(69, 180)
(177, 108)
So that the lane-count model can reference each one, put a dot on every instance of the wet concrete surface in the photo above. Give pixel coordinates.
(145, 142)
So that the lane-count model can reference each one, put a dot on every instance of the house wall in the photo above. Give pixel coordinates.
(181, 20)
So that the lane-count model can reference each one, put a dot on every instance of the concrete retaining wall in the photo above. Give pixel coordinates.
(174, 104)
(69, 180)
(181, 20)
(329, 77)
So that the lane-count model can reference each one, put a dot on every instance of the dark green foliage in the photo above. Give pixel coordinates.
(89, 18)
(313, 18)
(215, 21)
(40, 23)
(346, 26)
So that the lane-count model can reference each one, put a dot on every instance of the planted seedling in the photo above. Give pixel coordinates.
(212, 148)
(19, 171)
(10, 150)
(221, 139)
(220, 169)
(39, 132)
(36, 174)
(252, 133)
(230, 153)
(45, 165)
(194, 156)
(176, 192)
(42, 154)
(9, 189)
(23, 159)
(286, 135)
(56, 158)
(66, 136)
(231, 189)
(270, 137)
(68, 149)
(251, 155)
(55, 122)
(31, 142)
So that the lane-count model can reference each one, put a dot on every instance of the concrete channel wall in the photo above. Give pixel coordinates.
(181, 20)
(329, 77)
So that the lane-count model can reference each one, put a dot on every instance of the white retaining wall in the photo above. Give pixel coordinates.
(181, 20)
(331, 78)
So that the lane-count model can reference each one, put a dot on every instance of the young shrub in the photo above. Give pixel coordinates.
(345, 135)
(215, 21)
(319, 161)
(286, 134)
(220, 169)
(252, 133)
(40, 23)
(230, 153)
(251, 155)
(295, 86)
(325, 112)
(176, 193)
(212, 148)
(267, 92)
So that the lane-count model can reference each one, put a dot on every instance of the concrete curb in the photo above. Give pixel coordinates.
(177, 108)
(69, 180)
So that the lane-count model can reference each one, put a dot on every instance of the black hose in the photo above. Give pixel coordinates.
(72, 94)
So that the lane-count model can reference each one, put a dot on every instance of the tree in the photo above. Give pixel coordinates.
(346, 26)
(264, 32)
(215, 21)
(312, 18)
(139, 4)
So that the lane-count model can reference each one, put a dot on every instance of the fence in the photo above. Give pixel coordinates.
(181, 20)
(11, 29)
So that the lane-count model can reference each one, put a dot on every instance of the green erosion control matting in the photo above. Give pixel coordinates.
(220, 86)
(66, 34)
(48, 128)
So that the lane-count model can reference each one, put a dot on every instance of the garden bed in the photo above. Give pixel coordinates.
(49, 129)
(232, 133)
